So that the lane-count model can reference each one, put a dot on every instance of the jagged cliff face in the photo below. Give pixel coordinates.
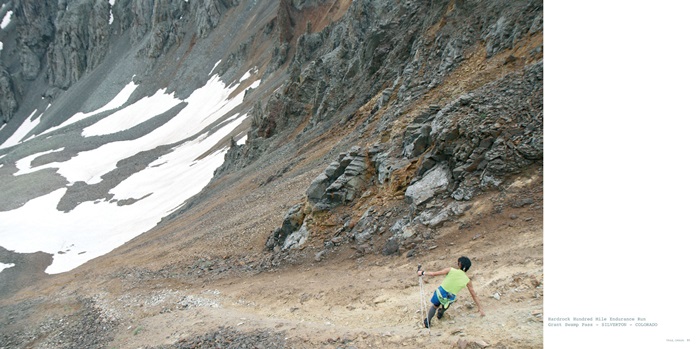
(58, 42)
(374, 65)
(80, 44)
(405, 48)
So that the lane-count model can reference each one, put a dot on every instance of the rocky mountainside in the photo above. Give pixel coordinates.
(371, 68)
(377, 135)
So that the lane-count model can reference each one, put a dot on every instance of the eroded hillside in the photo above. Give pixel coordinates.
(383, 135)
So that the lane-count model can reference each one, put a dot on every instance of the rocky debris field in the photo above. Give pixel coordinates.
(228, 337)
(84, 327)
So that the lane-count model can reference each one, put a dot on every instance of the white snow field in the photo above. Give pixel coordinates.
(22, 131)
(92, 229)
(115, 103)
(5, 266)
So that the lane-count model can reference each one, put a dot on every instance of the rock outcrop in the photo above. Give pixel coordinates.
(80, 43)
(470, 145)
(8, 99)
(384, 47)
(35, 31)
(59, 42)
(341, 182)
(454, 151)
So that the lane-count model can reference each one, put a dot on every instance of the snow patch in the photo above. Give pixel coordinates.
(111, 15)
(27, 126)
(215, 65)
(255, 84)
(6, 20)
(134, 114)
(245, 76)
(115, 103)
(204, 104)
(94, 228)
(25, 164)
(5, 266)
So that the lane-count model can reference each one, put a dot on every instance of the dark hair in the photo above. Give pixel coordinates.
(465, 263)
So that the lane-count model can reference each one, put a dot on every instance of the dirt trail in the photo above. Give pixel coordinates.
(344, 300)
(367, 301)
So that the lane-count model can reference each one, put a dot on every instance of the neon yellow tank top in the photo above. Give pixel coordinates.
(455, 281)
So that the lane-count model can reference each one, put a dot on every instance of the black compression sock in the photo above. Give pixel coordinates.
(431, 313)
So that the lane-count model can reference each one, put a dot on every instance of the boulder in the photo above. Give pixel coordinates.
(296, 239)
(317, 189)
(340, 182)
(435, 181)
(292, 221)
(391, 246)
(365, 228)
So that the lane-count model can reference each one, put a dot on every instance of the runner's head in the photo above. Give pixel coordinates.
(464, 263)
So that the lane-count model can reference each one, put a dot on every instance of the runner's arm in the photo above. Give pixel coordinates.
(434, 273)
(476, 299)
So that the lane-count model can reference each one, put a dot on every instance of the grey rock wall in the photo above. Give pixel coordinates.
(386, 46)
(460, 148)
(342, 181)
(80, 43)
(470, 145)
(35, 30)
(59, 42)
(8, 101)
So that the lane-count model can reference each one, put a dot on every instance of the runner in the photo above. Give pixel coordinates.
(445, 294)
